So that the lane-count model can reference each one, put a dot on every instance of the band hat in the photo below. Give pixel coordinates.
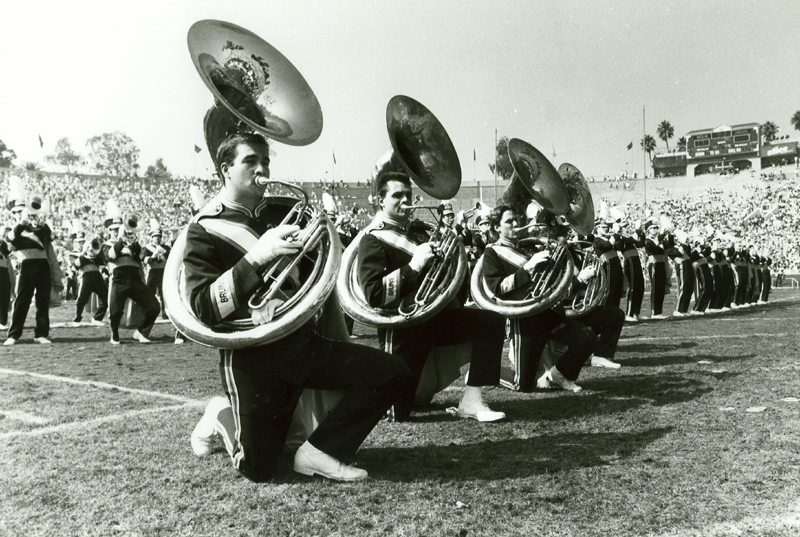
(113, 215)
(447, 208)
(16, 193)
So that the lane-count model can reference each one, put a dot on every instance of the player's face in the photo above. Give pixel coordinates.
(397, 195)
(250, 164)
(508, 224)
(448, 219)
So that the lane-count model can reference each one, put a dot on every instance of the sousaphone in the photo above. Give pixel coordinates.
(421, 148)
(256, 89)
(535, 179)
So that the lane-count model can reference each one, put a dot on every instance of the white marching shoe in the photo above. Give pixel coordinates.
(95, 322)
(141, 338)
(10, 341)
(473, 407)
(599, 361)
(206, 438)
(42, 340)
(563, 381)
(311, 461)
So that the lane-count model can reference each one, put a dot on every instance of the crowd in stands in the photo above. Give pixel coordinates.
(766, 218)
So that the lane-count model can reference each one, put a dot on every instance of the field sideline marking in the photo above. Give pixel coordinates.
(721, 336)
(96, 421)
(96, 384)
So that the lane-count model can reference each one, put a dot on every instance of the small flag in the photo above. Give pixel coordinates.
(334, 156)
(197, 149)
(474, 155)
(630, 145)
(41, 143)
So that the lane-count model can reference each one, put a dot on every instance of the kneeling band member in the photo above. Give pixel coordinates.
(508, 272)
(391, 262)
(227, 243)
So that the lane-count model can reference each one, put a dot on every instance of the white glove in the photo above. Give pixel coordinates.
(422, 256)
(272, 244)
(537, 259)
(586, 274)
(265, 314)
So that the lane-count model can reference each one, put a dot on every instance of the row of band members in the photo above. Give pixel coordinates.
(231, 239)
(112, 270)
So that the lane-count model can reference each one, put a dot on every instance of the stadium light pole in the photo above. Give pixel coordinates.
(495, 167)
(644, 162)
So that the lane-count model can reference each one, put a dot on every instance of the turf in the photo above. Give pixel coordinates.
(664, 446)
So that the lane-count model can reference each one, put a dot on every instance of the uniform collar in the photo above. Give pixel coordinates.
(388, 221)
(236, 206)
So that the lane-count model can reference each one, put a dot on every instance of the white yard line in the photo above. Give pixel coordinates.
(720, 336)
(24, 417)
(104, 385)
(75, 425)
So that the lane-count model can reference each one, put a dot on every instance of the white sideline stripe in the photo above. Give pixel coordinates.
(68, 380)
(105, 419)
(703, 337)
(24, 417)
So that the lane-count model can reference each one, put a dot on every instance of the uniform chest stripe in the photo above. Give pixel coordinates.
(239, 235)
(509, 255)
(395, 239)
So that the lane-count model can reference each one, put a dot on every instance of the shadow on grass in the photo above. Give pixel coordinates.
(504, 459)
(654, 347)
(674, 360)
(658, 390)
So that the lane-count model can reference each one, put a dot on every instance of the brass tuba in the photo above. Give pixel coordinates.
(421, 148)
(581, 219)
(534, 179)
(257, 89)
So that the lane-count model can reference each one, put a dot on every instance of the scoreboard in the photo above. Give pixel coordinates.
(739, 142)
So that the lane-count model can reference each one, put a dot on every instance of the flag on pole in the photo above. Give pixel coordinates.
(474, 155)
(41, 143)
(197, 149)
(334, 156)
(630, 145)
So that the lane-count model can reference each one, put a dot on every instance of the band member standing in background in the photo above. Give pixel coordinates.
(632, 264)
(5, 280)
(88, 265)
(154, 255)
(124, 258)
(30, 238)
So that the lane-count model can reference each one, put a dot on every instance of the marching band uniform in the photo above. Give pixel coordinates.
(264, 383)
(627, 247)
(728, 277)
(755, 271)
(686, 278)
(386, 278)
(610, 260)
(5, 283)
(88, 266)
(657, 271)
(742, 275)
(155, 257)
(30, 242)
(704, 280)
(507, 278)
(125, 265)
(716, 274)
(766, 280)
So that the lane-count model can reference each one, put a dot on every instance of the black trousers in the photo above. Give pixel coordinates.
(729, 284)
(755, 292)
(686, 280)
(71, 290)
(5, 294)
(155, 277)
(658, 281)
(741, 289)
(704, 289)
(635, 276)
(615, 282)
(606, 322)
(92, 282)
(766, 285)
(485, 330)
(264, 384)
(127, 284)
(530, 335)
(34, 275)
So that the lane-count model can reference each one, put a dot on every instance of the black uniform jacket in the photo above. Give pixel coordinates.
(26, 237)
(383, 257)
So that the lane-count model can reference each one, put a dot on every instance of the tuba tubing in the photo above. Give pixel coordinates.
(550, 286)
(597, 287)
(182, 316)
(355, 304)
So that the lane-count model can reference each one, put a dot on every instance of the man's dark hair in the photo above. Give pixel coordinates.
(497, 214)
(226, 152)
(381, 182)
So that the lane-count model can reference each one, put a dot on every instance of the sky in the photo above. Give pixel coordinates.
(581, 79)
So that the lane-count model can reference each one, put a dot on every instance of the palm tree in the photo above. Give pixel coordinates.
(649, 145)
(769, 131)
(682, 143)
(665, 131)
(796, 120)
(32, 167)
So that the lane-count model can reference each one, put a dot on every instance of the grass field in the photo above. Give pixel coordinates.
(94, 440)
